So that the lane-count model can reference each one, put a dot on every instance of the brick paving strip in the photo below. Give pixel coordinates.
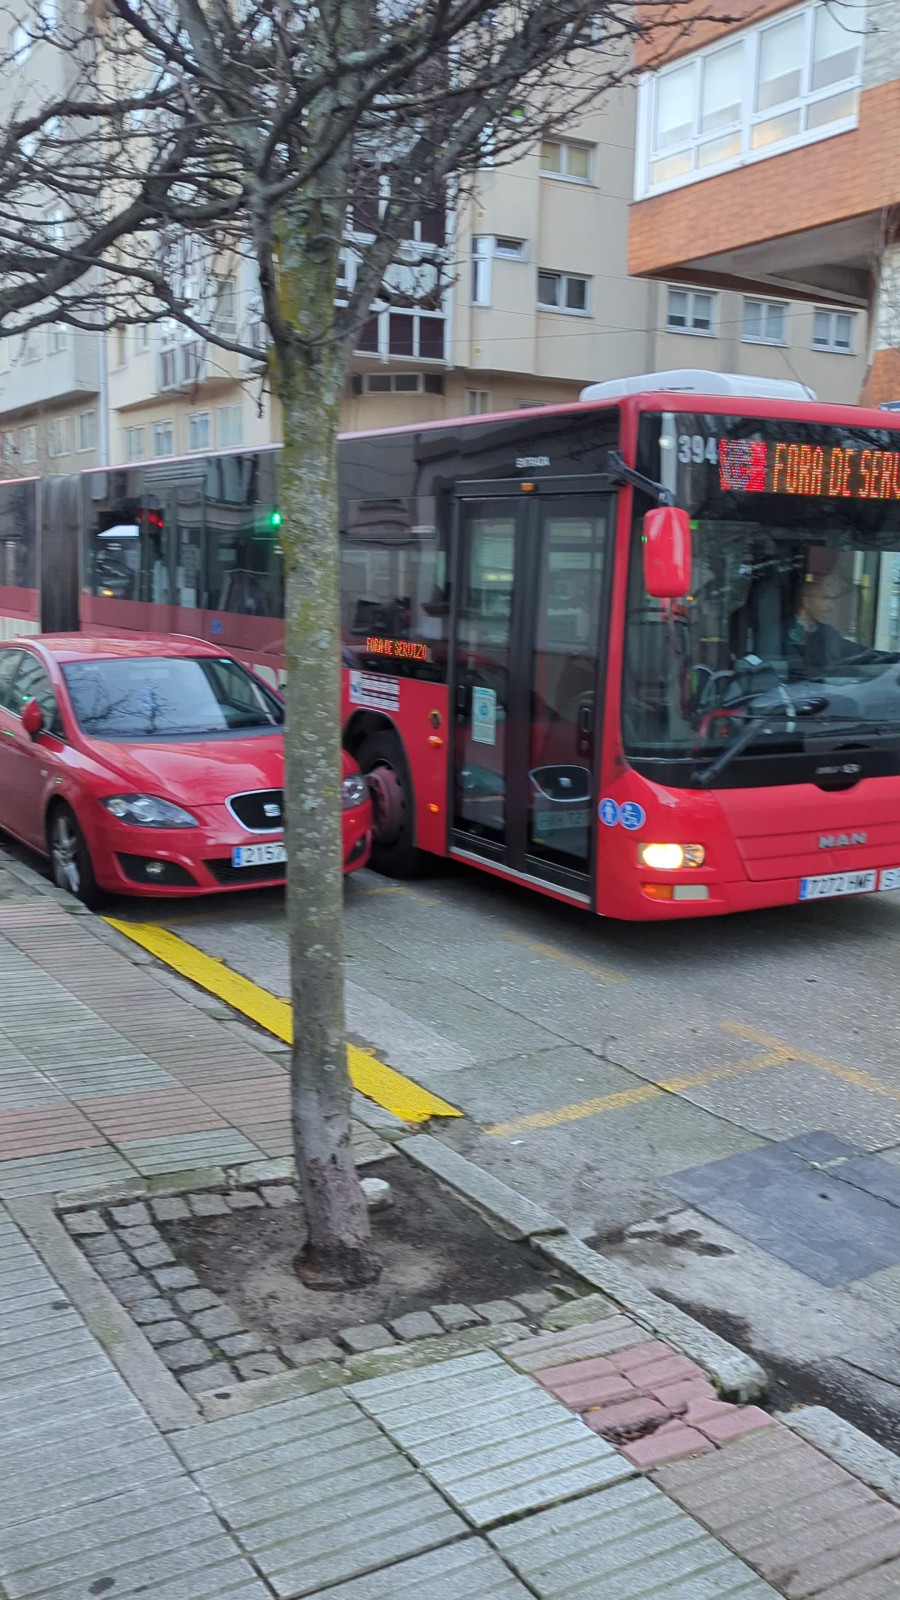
(460, 1456)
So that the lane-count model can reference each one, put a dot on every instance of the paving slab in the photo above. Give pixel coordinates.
(465, 1571)
(315, 1491)
(802, 1521)
(488, 1437)
(628, 1543)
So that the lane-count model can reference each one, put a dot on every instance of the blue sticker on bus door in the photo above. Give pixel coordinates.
(632, 815)
(484, 716)
(608, 812)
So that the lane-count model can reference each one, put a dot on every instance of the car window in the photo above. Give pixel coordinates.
(32, 683)
(9, 660)
(165, 697)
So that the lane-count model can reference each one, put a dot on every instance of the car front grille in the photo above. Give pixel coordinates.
(254, 810)
(263, 872)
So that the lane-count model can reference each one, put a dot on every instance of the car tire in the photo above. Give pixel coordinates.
(70, 859)
(394, 852)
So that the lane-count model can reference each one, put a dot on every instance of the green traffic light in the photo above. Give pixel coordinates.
(275, 519)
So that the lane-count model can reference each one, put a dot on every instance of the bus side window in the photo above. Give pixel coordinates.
(17, 536)
(244, 569)
(115, 522)
(393, 585)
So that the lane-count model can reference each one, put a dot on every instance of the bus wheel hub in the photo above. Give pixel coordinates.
(387, 803)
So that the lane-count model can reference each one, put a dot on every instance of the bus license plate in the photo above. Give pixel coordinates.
(257, 855)
(890, 878)
(834, 883)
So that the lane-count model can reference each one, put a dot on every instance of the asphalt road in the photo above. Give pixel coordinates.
(600, 1065)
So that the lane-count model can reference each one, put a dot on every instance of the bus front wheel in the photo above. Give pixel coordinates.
(382, 760)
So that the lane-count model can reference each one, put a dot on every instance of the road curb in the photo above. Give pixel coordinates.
(160, 1394)
(851, 1449)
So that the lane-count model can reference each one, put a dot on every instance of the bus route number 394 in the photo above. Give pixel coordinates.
(693, 447)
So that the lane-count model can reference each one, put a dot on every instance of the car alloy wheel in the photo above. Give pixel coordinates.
(65, 853)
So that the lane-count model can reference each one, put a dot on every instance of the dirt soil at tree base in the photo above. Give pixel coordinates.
(433, 1249)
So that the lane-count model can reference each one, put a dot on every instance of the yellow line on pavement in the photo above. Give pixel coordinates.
(811, 1058)
(554, 953)
(373, 1078)
(647, 1091)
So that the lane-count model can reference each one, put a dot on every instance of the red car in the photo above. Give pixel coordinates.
(149, 766)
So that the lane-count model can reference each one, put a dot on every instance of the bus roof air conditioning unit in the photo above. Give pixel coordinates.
(696, 380)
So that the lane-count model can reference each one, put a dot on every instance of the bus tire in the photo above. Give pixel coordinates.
(70, 860)
(394, 852)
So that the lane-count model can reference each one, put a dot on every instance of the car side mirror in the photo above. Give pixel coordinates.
(667, 553)
(32, 718)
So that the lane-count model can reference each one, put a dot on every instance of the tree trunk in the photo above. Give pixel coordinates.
(339, 1249)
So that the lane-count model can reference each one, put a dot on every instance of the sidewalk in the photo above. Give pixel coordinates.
(523, 1467)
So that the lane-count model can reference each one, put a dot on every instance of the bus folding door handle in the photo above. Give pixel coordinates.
(585, 719)
(462, 698)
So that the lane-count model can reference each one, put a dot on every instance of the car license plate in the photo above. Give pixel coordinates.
(257, 855)
(835, 883)
(890, 878)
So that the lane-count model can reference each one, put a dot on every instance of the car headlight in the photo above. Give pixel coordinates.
(148, 811)
(669, 857)
(354, 790)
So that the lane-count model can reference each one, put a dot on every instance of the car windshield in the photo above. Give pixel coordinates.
(792, 621)
(161, 697)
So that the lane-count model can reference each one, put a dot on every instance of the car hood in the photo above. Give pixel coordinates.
(200, 772)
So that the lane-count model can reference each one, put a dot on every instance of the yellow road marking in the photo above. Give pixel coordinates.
(553, 953)
(811, 1058)
(647, 1091)
(373, 1078)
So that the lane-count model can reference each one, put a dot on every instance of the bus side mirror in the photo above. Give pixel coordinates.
(667, 553)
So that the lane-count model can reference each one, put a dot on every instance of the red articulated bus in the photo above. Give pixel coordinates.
(640, 652)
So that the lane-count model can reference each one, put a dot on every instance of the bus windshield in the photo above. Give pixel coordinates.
(793, 618)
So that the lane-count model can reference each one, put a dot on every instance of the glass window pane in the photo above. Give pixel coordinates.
(720, 100)
(821, 327)
(431, 338)
(716, 150)
(548, 288)
(406, 382)
(774, 323)
(671, 167)
(674, 107)
(843, 331)
(703, 311)
(368, 337)
(378, 383)
(578, 164)
(551, 156)
(835, 108)
(576, 294)
(775, 130)
(400, 341)
(678, 308)
(780, 71)
(836, 42)
(752, 319)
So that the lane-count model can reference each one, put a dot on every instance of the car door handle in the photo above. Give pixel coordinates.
(7, 733)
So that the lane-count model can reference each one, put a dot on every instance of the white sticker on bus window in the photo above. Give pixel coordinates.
(484, 716)
(373, 689)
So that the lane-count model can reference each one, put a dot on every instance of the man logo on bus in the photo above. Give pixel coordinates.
(742, 465)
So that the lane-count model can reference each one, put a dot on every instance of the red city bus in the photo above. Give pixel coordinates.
(537, 680)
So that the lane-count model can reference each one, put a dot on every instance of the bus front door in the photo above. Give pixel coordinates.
(529, 646)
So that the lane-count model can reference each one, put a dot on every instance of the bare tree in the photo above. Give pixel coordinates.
(299, 137)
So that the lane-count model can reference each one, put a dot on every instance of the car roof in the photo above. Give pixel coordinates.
(110, 647)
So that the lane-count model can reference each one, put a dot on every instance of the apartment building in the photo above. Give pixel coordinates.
(767, 166)
(528, 296)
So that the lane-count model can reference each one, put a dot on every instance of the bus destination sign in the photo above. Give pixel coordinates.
(759, 466)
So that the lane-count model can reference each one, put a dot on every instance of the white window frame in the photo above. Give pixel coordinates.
(133, 443)
(486, 249)
(58, 437)
(478, 402)
(195, 418)
(565, 145)
(225, 415)
(750, 39)
(383, 383)
(28, 444)
(832, 313)
(158, 428)
(57, 338)
(85, 428)
(30, 348)
(564, 278)
(763, 338)
(141, 338)
(695, 333)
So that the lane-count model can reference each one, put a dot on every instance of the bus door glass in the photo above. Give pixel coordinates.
(483, 641)
(572, 539)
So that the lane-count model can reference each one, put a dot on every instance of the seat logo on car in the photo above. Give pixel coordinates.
(834, 841)
(271, 809)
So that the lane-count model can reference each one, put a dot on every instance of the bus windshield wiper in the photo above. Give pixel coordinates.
(702, 777)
